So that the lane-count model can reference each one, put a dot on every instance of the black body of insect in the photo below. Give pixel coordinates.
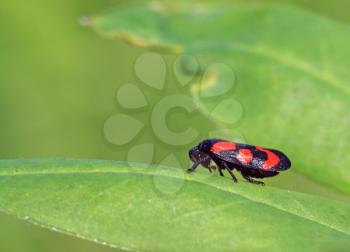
(252, 161)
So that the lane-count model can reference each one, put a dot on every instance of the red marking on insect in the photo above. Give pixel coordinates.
(245, 156)
(272, 159)
(223, 146)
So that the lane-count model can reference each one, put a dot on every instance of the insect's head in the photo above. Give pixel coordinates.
(197, 156)
(194, 154)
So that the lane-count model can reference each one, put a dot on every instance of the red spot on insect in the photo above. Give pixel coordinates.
(223, 146)
(272, 159)
(245, 156)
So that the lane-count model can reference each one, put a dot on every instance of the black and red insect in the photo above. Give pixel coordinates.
(252, 161)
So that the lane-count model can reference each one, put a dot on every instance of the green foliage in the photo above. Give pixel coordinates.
(159, 208)
(292, 81)
(291, 68)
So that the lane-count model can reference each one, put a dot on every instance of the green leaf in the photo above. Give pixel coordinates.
(144, 208)
(292, 74)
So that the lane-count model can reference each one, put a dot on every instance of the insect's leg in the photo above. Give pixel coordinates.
(224, 165)
(206, 163)
(220, 168)
(250, 180)
(193, 168)
(220, 172)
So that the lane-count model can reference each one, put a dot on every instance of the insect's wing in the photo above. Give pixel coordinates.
(228, 156)
(234, 153)
(276, 160)
(252, 157)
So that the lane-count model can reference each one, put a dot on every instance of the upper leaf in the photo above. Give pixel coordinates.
(144, 208)
(292, 69)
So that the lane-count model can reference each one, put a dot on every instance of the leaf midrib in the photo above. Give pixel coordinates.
(193, 178)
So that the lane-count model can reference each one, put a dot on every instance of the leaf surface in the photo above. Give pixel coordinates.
(292, 78)
(142, 208)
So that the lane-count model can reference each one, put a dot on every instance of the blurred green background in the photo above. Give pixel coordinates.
(57, 87)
